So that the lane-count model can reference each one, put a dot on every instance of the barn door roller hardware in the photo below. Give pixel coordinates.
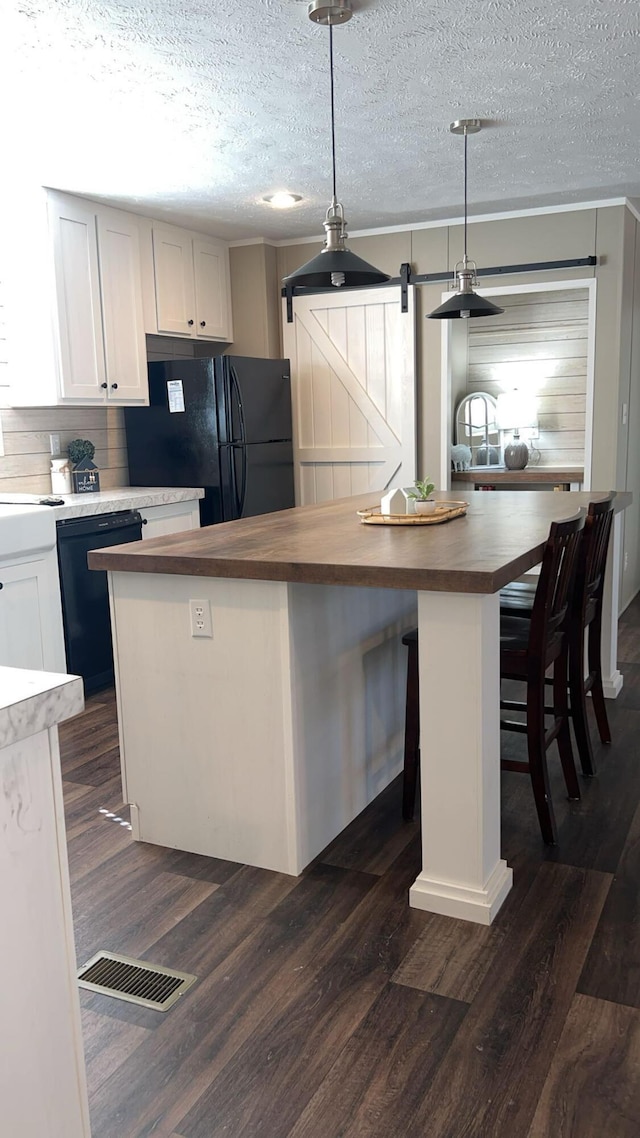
(407, 278)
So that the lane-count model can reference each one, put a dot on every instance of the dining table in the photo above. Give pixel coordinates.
(260, 738)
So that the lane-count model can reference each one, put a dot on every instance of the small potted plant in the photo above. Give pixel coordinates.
(424, 503)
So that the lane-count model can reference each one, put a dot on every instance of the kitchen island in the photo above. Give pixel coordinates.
(42, 1076)
(260, 742)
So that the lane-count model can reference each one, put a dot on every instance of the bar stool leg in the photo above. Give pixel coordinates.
(579, 704)
(538, 760)
(561, 711)
(595, 669)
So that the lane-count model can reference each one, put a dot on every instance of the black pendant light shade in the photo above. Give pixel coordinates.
(322, 270)
(466, 303)
(335, 265)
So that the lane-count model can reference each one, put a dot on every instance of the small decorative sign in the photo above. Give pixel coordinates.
(85, 475)
(85, 479)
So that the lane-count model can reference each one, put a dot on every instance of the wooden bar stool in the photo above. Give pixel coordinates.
(586, 617)
(528, 648)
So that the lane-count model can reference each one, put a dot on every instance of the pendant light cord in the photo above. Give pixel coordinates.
(333, 114)
(465, 196)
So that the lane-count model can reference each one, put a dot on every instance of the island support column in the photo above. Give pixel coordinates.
(462, 874)
(612, 678)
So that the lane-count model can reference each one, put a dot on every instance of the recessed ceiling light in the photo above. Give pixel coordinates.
(282, 200)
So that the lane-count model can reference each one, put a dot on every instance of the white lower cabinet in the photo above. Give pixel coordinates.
(42, 1071)
(31, 634)
(176, 517)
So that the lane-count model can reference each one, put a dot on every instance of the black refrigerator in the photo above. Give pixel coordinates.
(223, 424)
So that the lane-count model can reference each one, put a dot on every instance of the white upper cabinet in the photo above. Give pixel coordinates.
(98, 318)
(123, 322)
(211, 275)
(173, 271)
(192, 290)
(77, 272)
(94, 280)
(79, 308)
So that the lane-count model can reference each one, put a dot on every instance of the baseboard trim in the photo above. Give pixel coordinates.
(451, 900)
(612, 685)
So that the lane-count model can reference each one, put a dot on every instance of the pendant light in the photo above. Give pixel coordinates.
(466, 303)
(335, 265)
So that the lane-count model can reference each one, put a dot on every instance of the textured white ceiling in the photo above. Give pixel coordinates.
(194, 110)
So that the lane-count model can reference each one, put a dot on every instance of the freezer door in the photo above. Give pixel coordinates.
(260, 479)
(257, 399)
(174, 441)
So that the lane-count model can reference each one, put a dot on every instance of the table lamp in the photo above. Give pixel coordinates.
(516, 411)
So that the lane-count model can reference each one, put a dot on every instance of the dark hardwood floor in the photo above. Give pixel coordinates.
(326, 1008)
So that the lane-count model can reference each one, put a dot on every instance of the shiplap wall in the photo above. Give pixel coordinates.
(538, 344)
(26, 463)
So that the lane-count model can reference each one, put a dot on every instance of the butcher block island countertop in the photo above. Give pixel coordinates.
(261, 682)
(500, 538)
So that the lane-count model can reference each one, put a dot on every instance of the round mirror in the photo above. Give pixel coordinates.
(476, 426)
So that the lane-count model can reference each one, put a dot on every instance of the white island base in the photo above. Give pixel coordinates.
(261, 743)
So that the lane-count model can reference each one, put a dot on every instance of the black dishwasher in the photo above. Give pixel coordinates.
(85, 594)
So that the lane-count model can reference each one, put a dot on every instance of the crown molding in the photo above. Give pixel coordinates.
(443, 223)
(256, 241)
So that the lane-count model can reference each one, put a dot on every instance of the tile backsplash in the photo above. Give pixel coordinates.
(26, 463)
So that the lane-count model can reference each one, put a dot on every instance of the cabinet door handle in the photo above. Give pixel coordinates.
(190, 323)
(144, 521)
(114, 386)
(203, 323)
(104, 384)
(1, 585)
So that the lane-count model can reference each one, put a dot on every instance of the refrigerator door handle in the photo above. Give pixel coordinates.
(231, 461)
(243, 492)
(236, 391)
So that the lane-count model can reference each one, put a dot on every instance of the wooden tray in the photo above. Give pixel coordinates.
(444, 512)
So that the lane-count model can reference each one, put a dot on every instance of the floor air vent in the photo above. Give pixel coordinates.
(134, 980)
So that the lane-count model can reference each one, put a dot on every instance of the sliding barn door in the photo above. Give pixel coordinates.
(353, 390)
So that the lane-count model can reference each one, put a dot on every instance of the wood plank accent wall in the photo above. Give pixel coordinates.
(26, 463)
(539, 344)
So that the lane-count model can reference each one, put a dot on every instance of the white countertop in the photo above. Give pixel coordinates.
(34, 701)
(105, 501)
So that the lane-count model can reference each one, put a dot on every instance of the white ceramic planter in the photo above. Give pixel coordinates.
(427, 507)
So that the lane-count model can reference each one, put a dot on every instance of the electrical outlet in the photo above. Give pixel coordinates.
(54, 445)
(200, 617)
(626, 561)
